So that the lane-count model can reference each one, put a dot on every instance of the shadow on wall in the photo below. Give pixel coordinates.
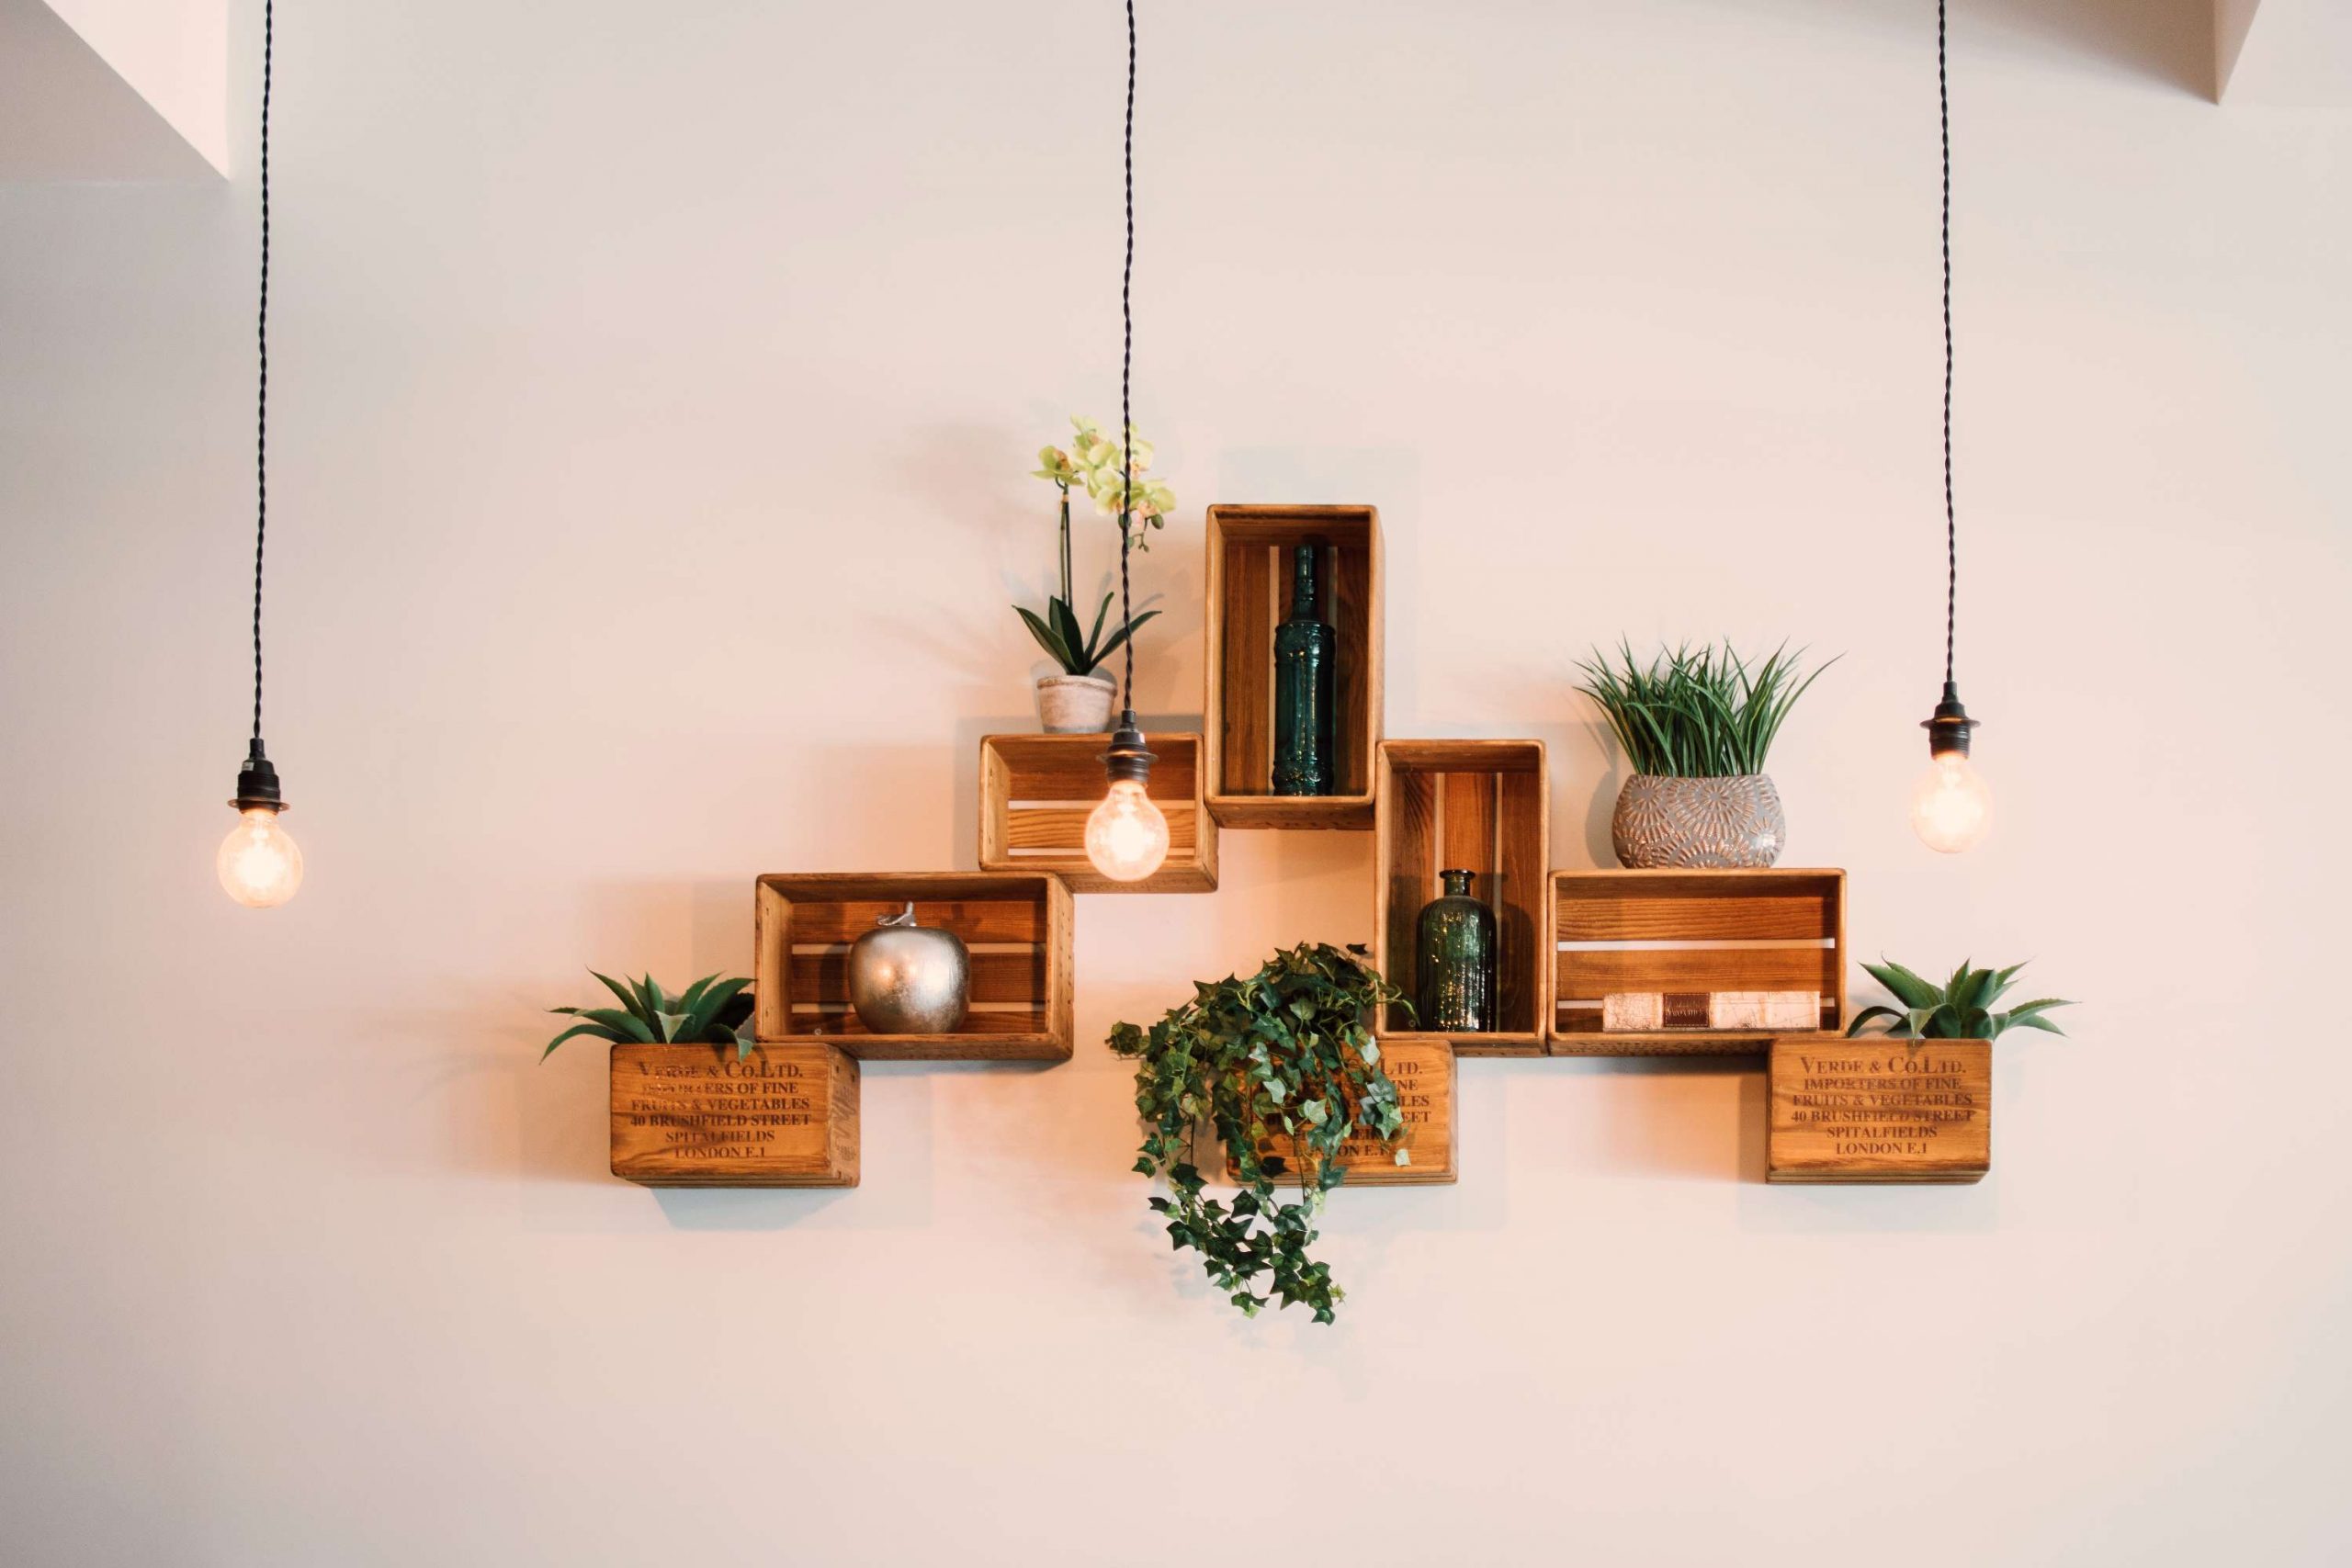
(2170, 41)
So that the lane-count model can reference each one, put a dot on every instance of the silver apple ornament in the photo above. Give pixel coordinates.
(909, 979)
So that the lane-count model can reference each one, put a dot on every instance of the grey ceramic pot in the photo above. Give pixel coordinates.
(1734, 822)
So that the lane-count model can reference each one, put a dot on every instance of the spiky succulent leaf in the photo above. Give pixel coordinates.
(624, 1025)
(598, 1030)
(704, 1017)
(1960, 1010)
(1907, 988)
(628, 997)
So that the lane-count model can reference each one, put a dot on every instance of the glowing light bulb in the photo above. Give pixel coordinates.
(1951, 807)
(259, 862)
(1126, 836)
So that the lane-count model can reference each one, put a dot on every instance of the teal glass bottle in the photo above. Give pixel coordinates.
(1454, 960)
(1305, 670)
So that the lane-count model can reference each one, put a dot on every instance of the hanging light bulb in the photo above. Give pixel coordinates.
(259, 864)
(1126, 834)
(1951, 807)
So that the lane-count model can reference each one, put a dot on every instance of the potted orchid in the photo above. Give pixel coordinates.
(1078, 701)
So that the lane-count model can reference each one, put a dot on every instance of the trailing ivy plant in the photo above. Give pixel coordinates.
(1283, 1059)
(1960, 1008)
(711, 1009)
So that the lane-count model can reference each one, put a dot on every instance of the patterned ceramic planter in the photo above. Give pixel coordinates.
(1715, 823)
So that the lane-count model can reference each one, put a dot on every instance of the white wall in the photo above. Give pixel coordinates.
(655, 401)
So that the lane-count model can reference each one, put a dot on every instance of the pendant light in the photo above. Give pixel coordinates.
(259, 864)
(1126, 835)
(1951, 807)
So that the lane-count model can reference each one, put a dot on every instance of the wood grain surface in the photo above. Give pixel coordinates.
(696, 1116)
(1036, 792)
(1249, 588)
(1019, 926)
(1880, 1111)
(1478, 806)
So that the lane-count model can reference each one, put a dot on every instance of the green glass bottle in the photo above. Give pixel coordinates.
(1306, 662)
(1456, 961)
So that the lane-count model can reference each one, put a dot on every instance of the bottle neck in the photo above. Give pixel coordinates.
(1304, 596)
(1457, 883)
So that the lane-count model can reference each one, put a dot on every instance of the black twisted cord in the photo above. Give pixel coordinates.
(1126, 367)
(261, 336)
(1952, 520)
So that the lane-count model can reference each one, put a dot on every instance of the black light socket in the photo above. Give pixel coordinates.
(257, 783)
(1128, 757)
(1948, 732)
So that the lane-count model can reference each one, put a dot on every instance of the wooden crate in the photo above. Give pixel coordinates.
(1424, 1075)
(696, 1116)
(1249, 593)
(1017, 925)
(1481, 806)
(1880, 1111)
(1691, 930)
(1037, 790)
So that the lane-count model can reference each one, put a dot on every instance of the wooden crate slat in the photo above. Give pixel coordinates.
(1521, 892)
(823, 975)
(1580, 1034)
(1689, 930)
(1878, 1111)
(825, 1020)
(1354, 613)
(973, 921)
(697, 1116)
(1062, 829)
(1408, 820)
(1247, 664)
(1038, 791)
(1591, 975)
(1697, 909)
(1067, 769)
(1022, 1000)
(1467, 818)
(1481, 806)
(1249, 588)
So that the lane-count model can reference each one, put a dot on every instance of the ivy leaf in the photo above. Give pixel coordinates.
(1252, 1057)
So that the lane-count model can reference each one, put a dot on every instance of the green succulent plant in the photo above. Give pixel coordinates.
(711, 1009)
(1960, 1008)
(1696, 713)
(1283, 1058)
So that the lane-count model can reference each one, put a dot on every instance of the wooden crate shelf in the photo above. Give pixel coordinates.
(1017, 924)
(1876, 1110)
(1035, 793)
(700, 1116)
(1423, 1069)
(1691, 930)
(1481, 806)
(1249, 593)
